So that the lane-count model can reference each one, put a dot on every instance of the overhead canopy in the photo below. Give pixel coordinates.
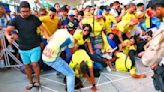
(63, 2)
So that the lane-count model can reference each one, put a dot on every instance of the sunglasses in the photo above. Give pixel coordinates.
(42, 14)
(87, 30)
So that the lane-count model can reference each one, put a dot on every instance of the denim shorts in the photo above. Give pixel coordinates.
(32, 55)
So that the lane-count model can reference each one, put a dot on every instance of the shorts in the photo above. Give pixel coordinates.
(32, 55)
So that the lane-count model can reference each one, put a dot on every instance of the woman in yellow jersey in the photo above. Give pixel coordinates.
(83, 36)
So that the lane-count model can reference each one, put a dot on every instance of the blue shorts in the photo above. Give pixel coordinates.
(32, 55)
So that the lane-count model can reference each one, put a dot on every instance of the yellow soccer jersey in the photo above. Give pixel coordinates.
(50, 24)
(78, 35)
(123, 63)
(129, 16)
(126, 49)
(109, 19)
(77, 58)
(98, 25)
(124, 26)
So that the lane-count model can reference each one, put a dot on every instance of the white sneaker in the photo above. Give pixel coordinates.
(107, 56)
(108, 69)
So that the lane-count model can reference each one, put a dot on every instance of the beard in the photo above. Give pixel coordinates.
(25, 16)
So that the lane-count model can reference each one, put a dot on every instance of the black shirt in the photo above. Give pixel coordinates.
(27, 34)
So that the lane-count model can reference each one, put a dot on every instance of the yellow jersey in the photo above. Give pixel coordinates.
(98, 25)
(77, 58)
(109, 19)
(126, 49)
(78, 35)
(50, 25)
(124, 26)
(123, 62)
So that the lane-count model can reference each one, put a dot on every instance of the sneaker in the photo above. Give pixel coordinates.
(107, 56)
(108, 69)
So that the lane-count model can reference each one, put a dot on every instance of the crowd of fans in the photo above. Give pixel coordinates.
(82, 42)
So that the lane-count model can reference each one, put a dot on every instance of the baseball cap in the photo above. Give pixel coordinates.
(7, 9)
(84, 67)
(99, 13)
(71, 13)
(107, 8)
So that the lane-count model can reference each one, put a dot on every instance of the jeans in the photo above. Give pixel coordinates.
(98, 59)
(60, 65)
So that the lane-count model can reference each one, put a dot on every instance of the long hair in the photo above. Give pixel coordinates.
(89, 31)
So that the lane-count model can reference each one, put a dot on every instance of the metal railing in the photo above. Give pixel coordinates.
(5, 53)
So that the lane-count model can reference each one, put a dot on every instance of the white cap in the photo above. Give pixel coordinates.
(71, 13)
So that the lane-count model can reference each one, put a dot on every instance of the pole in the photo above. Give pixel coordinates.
(92, 2)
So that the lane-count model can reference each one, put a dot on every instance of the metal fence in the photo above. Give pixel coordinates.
(5, 53)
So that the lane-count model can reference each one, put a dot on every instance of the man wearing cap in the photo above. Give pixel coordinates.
(82, 65)
(8, 13)
(60, 40)
(29, 41)
(109, 20)
(72, 19)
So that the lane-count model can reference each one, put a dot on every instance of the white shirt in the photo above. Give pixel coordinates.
(60, 40)
(114, 12)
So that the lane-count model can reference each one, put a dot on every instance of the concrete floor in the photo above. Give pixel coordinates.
(12, 80)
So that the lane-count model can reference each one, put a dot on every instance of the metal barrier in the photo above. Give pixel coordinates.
(6, 53)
